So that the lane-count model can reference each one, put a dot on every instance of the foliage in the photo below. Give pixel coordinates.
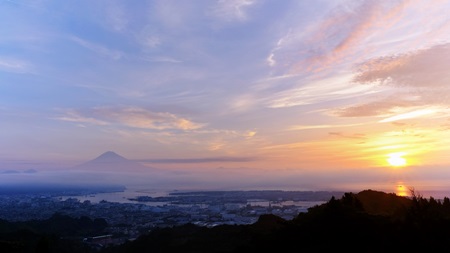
(58, 234)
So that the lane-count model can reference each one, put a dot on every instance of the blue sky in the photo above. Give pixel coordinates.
(286, 87)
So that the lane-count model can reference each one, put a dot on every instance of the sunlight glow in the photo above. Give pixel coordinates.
(401, 190)
(396, 159)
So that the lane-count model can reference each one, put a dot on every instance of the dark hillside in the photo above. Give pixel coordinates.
(369, 221)
(380, 203)
(58, 234)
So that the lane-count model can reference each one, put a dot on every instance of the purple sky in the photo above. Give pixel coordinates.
(292, 93)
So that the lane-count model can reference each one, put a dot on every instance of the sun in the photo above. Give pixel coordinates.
(396, 159)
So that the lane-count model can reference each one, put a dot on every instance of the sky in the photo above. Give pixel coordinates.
(237, 93)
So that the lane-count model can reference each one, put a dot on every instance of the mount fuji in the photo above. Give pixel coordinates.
(112, 162)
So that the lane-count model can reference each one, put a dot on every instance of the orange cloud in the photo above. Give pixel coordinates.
(380, 107)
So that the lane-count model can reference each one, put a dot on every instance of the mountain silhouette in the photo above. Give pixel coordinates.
(112, 162)
(109, 157)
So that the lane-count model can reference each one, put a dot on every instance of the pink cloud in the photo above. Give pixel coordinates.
(342, 34)
(420, 78)
(423, 68)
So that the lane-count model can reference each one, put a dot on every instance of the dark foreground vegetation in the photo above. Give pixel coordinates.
(368, 221)
(59, 233)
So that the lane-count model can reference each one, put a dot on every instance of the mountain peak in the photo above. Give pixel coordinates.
(110, 156)
(112, 162)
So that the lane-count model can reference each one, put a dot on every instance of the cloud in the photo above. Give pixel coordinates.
(424, 68)
(342, 31)
(339, 36)
(200, 160)
(116, 16)
(419, 82)
(306, 127)
(75, 116)
(28, 171)
(395, 108)
(172, 14)
(409, 115)
(250, 134)
(99, 49)
(243, 103)
(135, 117)
(270, 60)
(232, 10)
(317, 91)
(216, 145)
(346, 136)
(10, 172)
(150, 37)
(381, 107)
(14, 65)
(162, 59)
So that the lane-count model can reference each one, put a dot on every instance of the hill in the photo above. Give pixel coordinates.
(380, 203)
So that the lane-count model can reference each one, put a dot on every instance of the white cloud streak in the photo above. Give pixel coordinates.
(99, 49)
(317, 91)
(15, 65)
(232, 10)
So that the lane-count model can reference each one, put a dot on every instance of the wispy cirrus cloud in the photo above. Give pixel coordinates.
(116, 16)
(317, 91)
(409, 115)
(99, 49)
(15, 65)
(339, 36)
(337, 40)
(232, 10)
(72, 115)
(135, 117)
(150, 38)
(348, 136)
(162, 59)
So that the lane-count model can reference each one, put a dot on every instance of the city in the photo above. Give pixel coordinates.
(127, 221)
